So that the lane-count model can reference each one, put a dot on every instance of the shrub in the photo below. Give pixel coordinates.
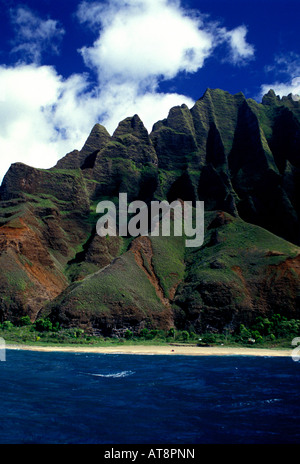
(244, 334)
(185, 335)
(208, 338)
(145, 333)
(171, 332)
(193, 336)
(43, 325)
(56, 327)
(257, 337)
(77, 332)
(153, 333)
(25, 320)
(277, 325)
(288, 328)
(158, 334)
(128, 334)
(263, 325)
(7, 325)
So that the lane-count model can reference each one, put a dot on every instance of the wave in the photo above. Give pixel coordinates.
(115, 375)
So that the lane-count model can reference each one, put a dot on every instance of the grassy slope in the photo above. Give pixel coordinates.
(240, 244)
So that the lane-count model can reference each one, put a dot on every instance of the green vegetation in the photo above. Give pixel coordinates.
(10, 215)
(276, 332)
(168, 260)
(230, 247)
(109, 285)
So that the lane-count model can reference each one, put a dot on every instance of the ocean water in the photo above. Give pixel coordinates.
(73, 398)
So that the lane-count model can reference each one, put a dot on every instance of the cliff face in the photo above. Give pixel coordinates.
(240, 157)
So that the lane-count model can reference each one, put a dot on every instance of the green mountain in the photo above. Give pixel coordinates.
(240, 157)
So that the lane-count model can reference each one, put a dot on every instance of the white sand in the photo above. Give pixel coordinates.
(159, 350)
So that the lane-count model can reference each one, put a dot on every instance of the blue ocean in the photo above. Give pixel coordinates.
(80, 398)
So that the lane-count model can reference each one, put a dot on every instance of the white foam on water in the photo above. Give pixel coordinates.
(115, 375)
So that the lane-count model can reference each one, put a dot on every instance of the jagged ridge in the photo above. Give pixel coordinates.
(240, 157)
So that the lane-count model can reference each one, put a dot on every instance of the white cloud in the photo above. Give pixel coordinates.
(240, 50)
(284, 88)
(142, 38)
(146, 39)
(33, 35)
(287, 63)
(142, 42)
(138, 44)
(42, 116)
(287, 66)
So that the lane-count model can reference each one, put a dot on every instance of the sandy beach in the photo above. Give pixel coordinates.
(158, 350)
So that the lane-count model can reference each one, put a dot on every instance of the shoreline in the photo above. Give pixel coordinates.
(158, 350)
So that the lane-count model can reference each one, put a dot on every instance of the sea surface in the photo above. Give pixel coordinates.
(73, 398)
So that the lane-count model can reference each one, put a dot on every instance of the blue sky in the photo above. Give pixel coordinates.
(65, 65)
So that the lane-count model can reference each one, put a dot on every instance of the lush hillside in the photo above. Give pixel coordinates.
(240, 157)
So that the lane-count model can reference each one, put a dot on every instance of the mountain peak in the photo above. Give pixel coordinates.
(132, 125)
(270, 98)
(98, 138)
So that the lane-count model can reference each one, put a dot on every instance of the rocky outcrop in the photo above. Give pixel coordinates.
(85, 158)
(67, 186)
